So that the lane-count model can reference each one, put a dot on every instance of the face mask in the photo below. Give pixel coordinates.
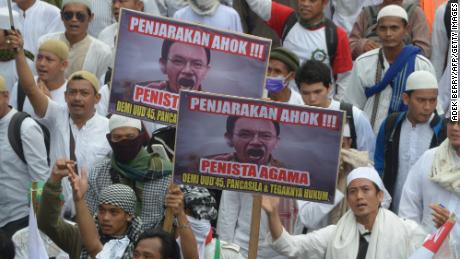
(127, 149)
(275, 84)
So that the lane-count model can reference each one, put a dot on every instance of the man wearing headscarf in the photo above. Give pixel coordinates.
(365, 231)
(113, 231)
(379, 76)
(433, 183)
(148, 174)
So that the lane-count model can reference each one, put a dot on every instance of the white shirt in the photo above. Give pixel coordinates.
(363, 76)
(102, 10)
(365, 137)
(40, 19)
(420, 192)
(16, 175)
(295, 98)
(109, 37)
(57, 95)
(225, 18)
(413, 142)
(91, 143)
(98, 58)
(234, 224)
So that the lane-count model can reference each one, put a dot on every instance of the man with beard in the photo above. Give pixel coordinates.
(253, 141)
(130, 164)
(76, 130)
(186, 66)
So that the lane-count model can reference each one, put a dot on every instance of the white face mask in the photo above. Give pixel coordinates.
(204, 7)
(201, 230)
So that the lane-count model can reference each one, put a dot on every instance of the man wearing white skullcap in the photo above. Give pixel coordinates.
(131, 164)
(86, 52)
(379, 76)
(366, 231)
(313, 215)
(433, 183)
(364, 36)
(405, 136)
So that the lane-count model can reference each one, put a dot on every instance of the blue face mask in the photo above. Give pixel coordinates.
(274, 84)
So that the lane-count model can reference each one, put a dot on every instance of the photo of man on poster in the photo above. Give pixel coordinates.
(186, 66)
(253, 141)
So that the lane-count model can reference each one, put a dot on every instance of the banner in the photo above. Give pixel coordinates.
(156, 57)
(240, 144)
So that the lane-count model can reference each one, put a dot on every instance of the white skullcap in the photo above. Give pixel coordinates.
(393, 11)
(118, 121)
(371, 174)
(5, 19)
(346, 133)
(84, 2)
(421, 80)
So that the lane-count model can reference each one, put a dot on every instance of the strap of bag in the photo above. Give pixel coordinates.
(378, 77)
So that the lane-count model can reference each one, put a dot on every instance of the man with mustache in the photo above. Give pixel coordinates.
(185, 65)
(253, 141)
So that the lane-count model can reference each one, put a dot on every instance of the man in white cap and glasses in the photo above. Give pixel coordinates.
(86, 52)
(148, 174)
(405, 136)
(365, 231)
(212, 13)
(433, 184)
(379, 76)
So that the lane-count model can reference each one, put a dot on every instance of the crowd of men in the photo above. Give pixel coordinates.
(104, 194)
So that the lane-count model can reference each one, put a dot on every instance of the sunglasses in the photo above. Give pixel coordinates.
(67, 16)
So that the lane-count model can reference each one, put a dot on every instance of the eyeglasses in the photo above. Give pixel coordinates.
(68, 15)
(248, 135)
(181, 63)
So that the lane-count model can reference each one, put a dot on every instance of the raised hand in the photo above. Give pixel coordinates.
(440, 214)
(79, 183)
(175, 199)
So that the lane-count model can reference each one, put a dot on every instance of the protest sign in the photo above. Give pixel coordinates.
(258, 146)
(157, 56)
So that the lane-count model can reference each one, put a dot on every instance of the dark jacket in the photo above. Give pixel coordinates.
(387, 147)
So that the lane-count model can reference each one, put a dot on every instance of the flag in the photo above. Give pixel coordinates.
(432, 244)
(36, 246)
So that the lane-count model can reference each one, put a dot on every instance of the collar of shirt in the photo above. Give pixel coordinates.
(364, 232)
(7, 117)
(84, 41)
(30, 9)
(406, 120)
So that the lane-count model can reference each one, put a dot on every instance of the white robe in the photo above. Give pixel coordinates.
(391, 237)
(363, 76)
(419, 192)
(98, 58)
